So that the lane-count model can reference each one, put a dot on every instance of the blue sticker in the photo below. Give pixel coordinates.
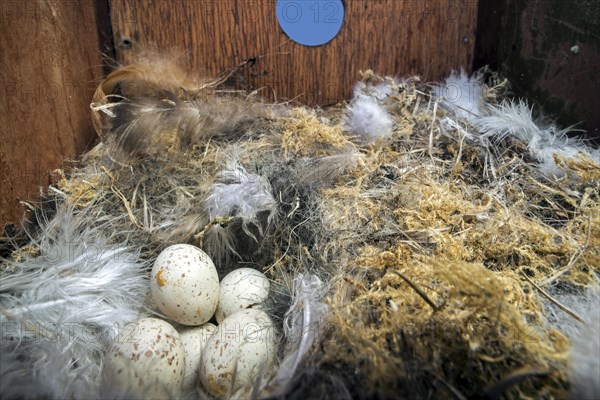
(310, 22)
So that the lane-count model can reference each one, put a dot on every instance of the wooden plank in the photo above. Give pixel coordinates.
(49, 67)
(396, 37)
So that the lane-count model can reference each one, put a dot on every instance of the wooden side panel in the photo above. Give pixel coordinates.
(397, 37)
(550, 51)
(50, 62)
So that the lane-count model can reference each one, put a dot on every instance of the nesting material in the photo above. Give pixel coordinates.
(366, 119)
(415, 246)
(465, 98)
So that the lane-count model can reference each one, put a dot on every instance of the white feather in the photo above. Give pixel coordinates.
(584, 356)
(548, 164)
(303, 324)
(61, 308)
(515, 120)
(367, 119)
(461, 94)
(238, 193)
(378, 91)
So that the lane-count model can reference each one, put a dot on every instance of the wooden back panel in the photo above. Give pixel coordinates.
(396, 37)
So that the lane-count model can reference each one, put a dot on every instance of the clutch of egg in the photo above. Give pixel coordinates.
(226, 360)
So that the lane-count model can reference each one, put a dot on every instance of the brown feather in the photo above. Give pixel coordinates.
(151, 109)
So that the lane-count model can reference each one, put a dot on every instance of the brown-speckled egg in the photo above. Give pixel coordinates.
(147, 354)
(240, 289)
(194, 339)
(185, 284)
(244, 346)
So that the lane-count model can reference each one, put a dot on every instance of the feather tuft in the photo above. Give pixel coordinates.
(461, 94)
(585, 341)
(367, 119)
(511, 119)
(61, 309)
(240, 194)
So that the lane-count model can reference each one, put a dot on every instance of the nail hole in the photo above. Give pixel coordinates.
(125, 43)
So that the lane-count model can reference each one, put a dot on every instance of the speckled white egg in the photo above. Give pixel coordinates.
(185, 284)
(147, 355)
(240, 289)
(194, 339)
(245, 343)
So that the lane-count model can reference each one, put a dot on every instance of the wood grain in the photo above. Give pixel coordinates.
(395, 37)
(49, 67)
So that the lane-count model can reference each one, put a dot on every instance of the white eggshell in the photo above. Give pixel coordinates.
(245, 343)
(240, 289)
(146, 356)
(194, 339)
(185, 284)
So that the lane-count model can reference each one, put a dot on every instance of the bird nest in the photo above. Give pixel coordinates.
(434, 244)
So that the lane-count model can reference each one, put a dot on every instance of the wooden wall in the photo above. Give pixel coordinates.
(50, 62)
(550, 51)
(397, 37)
